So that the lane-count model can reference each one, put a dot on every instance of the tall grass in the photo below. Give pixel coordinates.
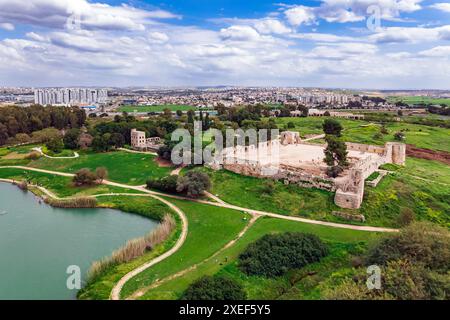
(72, 203)
(133, 248)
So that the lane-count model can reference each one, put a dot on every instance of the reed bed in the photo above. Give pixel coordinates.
(133, 248)
(72, 203)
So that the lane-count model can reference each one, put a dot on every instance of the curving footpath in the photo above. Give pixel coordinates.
(76, 155)
(115, 293)
(223, 205)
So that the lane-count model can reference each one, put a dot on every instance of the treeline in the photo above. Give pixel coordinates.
(386, 117)
(443, 110)
(117, 133)
(18, 120)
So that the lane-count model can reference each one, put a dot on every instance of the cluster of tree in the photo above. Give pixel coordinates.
(55, 145)
(193, 184)
(336, 150)
(286, 110)
(215, 288)
(165, 184)
(241, 113)
(86, 177)
(444, 110)
(275, 254)
(204, 118)
(376, 100)
(354, 105)
(16, 120)
(117, 133)
(414, 266)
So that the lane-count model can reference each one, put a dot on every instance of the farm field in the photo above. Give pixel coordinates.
(420, 100)
(156, 108)
(258, 288)
(359, 131)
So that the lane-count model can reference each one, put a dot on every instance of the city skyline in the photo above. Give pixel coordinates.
(328, 44)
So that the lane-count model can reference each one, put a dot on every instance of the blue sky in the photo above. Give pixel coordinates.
(326, 43)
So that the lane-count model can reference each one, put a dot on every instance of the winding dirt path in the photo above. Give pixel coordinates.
(141, 292)
(115, 293)
(135, 151)
(223, 205)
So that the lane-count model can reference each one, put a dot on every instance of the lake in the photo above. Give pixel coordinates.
(38, 243)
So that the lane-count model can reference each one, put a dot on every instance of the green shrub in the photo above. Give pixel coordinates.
(406, 217)
(215, 288)
(166, 184)
(422, 242)
(194, 183)
(274, 255)
(55, 145)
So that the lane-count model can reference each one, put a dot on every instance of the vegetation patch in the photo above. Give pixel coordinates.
(341, 243)
(134, 248)
(274, 255)
(215, 288)
(72, 203)
(414, 266)
(210, 229)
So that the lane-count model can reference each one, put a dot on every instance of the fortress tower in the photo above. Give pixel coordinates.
(396, 151)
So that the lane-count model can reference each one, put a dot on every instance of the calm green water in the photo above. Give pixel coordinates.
(38, 243)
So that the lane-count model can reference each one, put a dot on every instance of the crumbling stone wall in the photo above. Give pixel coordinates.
(349, 190)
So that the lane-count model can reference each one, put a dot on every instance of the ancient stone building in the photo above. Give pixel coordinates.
(140, 142)
(289, 160)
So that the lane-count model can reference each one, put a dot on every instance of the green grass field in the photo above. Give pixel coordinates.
(256, 287)
(360, 131)
(382, 205)
(156, 108)
(210, 228)
(60, 186)
(123, 167)
(420, 100)
(250, 192)
(429, 200)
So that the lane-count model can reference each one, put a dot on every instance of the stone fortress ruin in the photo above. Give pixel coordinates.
(294, 161)
(141, 143)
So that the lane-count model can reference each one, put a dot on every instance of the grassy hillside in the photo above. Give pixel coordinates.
(360, 131)
(123, 167)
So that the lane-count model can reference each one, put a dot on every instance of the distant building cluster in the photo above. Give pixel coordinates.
(68, 96)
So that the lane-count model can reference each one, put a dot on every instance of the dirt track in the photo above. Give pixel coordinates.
(441, 156)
